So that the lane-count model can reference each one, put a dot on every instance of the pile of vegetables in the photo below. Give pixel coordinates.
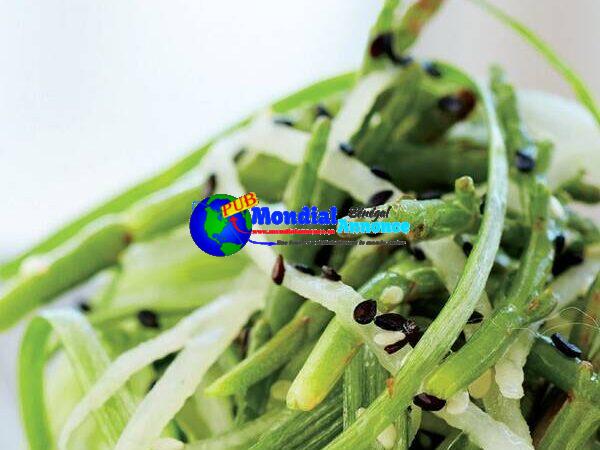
(481, 332)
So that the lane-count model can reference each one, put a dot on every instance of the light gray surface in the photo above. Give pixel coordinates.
(96, 94)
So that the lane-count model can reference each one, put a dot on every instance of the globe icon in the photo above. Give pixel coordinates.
(216, 235)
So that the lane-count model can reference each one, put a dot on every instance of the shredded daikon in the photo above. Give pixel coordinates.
(483, 430)
(205, 319)
(449, 260)
(345, 172)
(570, 127)
(168, 444)
(281, 141)
(179, 382)
(288, 144)
(458, 403)
(509, 369)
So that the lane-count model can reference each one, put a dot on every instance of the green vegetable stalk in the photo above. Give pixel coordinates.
(524, 303)
(443, 331)
(281, 302)
(337, 346)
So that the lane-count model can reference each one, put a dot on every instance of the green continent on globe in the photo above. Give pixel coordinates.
(214, 224)
(229, 248)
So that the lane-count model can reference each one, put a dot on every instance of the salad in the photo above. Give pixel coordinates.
(480, 331)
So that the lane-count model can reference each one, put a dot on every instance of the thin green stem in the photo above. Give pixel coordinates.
(443, 331)
(524, 304)
(96, 248)
(416, 17)
(245, 435)
(123, 201)
(579, 415)
(252, 402)
(303, 427)
(384, 23)
(568, 374)
(571, 428)
(308, 323)
(281, 302)
(433, 219)
(578, 85)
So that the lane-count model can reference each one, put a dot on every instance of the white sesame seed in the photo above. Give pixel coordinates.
(387, 438)
(392, 296)
(385, 338)
(375, 120)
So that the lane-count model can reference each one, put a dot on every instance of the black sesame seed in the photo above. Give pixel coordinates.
(412, 332)
(379, 172)
(449, 103)
(393, 348)
(239, 155)
(409, 327)
(381, 45)
(559, 244)
(565, 347)
(428, 402)
(402, 60)
(429, 195)
(417, 253)
(476, 317)
(379, 198)
(278, 271)
(347, 149)
(330, 273)
(432, 69)
(524, 162)
(322, 111)
(323, 255)
(414, 338)
(84, 306)
(467, 247)
(365, 312)
(469, 101)
(460, 341)
(148, 318)
(284, 121)
(390, 322)
(304, 269)
(210, 186)
(567, 259)
(458, 105)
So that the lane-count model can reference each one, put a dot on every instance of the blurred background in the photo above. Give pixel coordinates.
(95, 95)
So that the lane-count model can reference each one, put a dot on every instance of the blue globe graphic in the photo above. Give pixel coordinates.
(216, 235)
